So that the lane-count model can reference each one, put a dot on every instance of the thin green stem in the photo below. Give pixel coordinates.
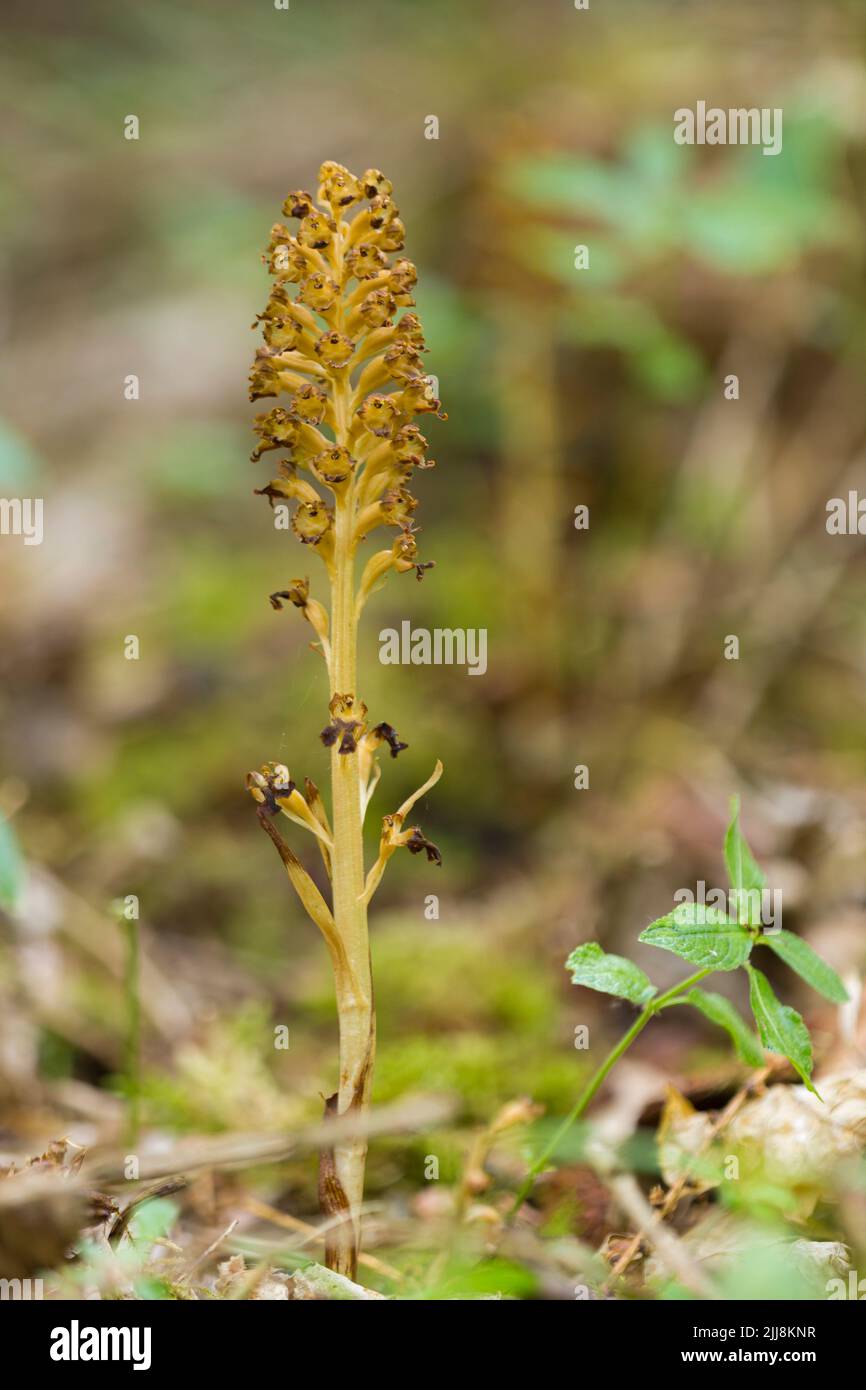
(132, 1065)
(676, 990)
(596, 1080)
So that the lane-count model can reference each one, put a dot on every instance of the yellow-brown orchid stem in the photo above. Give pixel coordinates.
(315, 368)
(354, 987)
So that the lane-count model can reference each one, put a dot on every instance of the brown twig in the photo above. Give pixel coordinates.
(121, 1222)
(207, 1252)
(247, 1150)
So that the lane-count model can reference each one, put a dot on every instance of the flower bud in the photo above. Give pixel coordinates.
(338, 187)
(334, 349)
(298, 204)
(375, 184)
(271, 786)
(274, 789)
(397, 506)
(395, 837)
(276, 430)
(377, 414)
(286, 258)
(288, 484)
(298, 594)
(409, 445)
(415, 842)
(312, 522)
(393, 236)
(334, 466)
(285, 334)
(264, 379)
(374, 223)
(403, 362)
(409, 330)
(375, 311)
(385, 733)
(402, 280)
(417, 397)
(319, 292)
(383, 210)
(365, 262)
(280, 305)
(404, 551)
(310, 403)
(347, 723)
(316, 231)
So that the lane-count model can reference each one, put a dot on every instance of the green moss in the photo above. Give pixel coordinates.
(225, 1081)
(484, 1071)
(432, 977)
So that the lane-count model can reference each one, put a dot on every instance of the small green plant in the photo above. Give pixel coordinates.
(714, 939)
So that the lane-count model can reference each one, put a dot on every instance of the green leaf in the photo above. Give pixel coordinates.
(796, 953)
(745, 876)
(743, 871)
(720, 1010)
(11, 867)
(154, 1219)
(700, 934)
(781, 1028)
(591, 966)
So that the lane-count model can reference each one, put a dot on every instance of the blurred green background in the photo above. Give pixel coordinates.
(563, 387)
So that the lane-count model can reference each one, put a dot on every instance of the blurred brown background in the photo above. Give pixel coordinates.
(563, 387)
